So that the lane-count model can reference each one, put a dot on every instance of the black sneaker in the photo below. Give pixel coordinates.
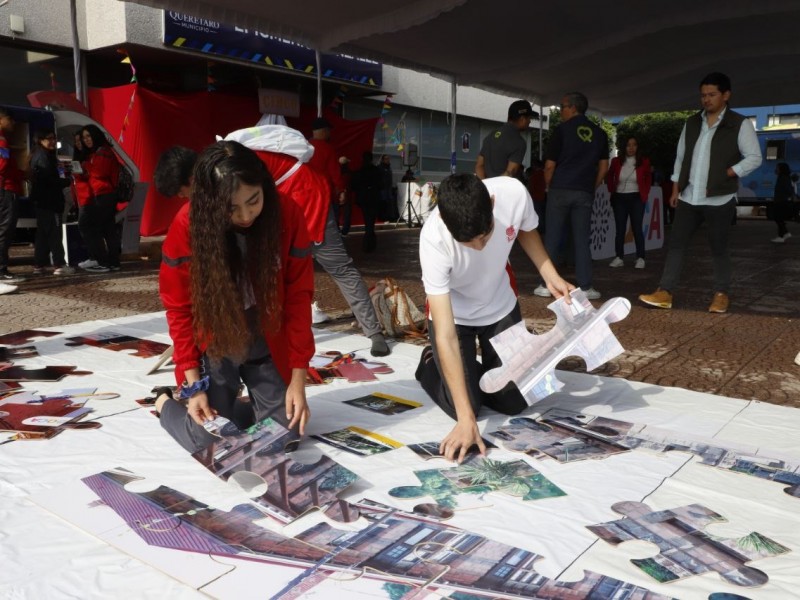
(6, 277)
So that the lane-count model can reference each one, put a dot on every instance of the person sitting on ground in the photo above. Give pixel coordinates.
(464, 247)
(47, 193)
(628, 180)
(101, 172)
(243, 313)
(782, 201)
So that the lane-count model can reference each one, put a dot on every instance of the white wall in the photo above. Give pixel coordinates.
(46, 21)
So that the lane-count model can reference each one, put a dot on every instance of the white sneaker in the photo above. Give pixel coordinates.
(592, 294)
(778, 240)
(787, 235)
(317, 315)
(7, 289)
(88, 263)
(542, 291)
(65, 270)
(639, 263)
(617, 262)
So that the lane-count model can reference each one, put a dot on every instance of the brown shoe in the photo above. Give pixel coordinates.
(719, 304)
(660, 299)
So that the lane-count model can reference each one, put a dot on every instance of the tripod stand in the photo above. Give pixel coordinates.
(408, 178)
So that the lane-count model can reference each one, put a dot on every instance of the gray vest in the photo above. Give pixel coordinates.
(724, 153)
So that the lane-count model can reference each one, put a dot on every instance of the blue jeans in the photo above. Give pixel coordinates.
(688, 217)
(576, 206)
(625, 206)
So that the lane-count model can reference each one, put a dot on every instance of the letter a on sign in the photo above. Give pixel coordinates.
(654, 229)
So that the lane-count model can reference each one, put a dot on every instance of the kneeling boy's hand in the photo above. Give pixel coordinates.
(458, 442)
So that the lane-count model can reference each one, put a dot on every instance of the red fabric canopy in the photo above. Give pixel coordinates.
(151, 122)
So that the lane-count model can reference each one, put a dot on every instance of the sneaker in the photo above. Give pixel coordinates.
(639, 263)
(719, 304)
(7, 289)
(88, 263)
(38, 270)
(617, 262)
(778, 240)
(64, 270)
(317, 315)
(97, 269)
(660, 299)
(114, 268)
(542, 291)
(592, 294)
(786, 236)
(6, 277)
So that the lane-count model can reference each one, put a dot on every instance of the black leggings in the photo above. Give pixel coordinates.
(508, 401)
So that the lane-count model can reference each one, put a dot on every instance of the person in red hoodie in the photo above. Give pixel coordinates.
(101, 172)
(10, 188)
(82, 195)
(236, 281)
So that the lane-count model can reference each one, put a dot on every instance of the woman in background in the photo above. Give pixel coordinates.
(781, 201)
(629, 179)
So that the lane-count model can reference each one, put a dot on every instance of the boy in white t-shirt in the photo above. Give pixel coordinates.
(464, 248)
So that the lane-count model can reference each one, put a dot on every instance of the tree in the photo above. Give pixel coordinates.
(657, 135)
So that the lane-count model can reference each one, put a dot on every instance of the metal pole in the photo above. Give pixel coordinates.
(76, 52)
(453, 110)
(319, 82)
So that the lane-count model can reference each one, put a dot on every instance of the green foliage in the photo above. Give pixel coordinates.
(658, 572)
(657, 134)
(758, 544)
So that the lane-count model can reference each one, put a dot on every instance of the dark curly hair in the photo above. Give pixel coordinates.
(219, 269)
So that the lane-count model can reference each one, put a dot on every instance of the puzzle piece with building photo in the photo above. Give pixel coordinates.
(25, 336)
(392, 546)
(684, 548)
(429, 450)
(479, 475)
(563, 435)
(48, 373)
(529, 360)
(119, 342)
(9, 353)
(286, 481)
(43, 420)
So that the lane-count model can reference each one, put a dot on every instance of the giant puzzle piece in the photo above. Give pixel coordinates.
(288, 484)
(530, 360)
(393, 546)
(119, 342)
(568, 435)
(48, 373)
(25, 336)
(478, 475)
(684, 549)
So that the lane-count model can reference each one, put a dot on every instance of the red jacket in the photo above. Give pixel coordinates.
(644, 177)
(292, 346)
(10, 175)
(101, 172)
(307, 188)
(326, 162)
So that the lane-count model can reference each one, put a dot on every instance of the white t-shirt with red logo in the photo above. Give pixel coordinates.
(477, 280)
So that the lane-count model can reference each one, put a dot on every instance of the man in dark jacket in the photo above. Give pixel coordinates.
(366, 184)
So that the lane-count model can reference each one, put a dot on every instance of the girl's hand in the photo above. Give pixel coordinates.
(297, 411)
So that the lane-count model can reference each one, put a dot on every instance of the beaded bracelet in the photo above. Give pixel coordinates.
(188, 390)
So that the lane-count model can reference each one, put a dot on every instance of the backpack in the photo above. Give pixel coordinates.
(397, 313)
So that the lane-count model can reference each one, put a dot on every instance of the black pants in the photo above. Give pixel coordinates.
(48, 239)
(508, 401)
(8, 225)
(265, 387)
(628, 206)
(781, 212)
(370, 241)
(103, 236)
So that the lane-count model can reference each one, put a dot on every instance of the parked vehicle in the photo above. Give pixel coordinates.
(778, 144)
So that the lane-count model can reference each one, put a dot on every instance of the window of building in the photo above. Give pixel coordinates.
(775, 150)
(398, 551)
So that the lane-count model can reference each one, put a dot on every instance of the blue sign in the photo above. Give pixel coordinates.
(212, 37)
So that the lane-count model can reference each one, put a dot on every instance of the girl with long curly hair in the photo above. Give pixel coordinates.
(237, 282)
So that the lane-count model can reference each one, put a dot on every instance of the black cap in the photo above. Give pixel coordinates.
(520, 108)
(320, 123)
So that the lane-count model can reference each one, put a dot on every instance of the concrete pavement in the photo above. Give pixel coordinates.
(747, 353)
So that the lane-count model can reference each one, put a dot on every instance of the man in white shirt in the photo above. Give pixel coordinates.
(717, 146)
(464, 248)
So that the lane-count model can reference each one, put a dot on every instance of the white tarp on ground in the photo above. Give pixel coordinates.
(46, 557)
